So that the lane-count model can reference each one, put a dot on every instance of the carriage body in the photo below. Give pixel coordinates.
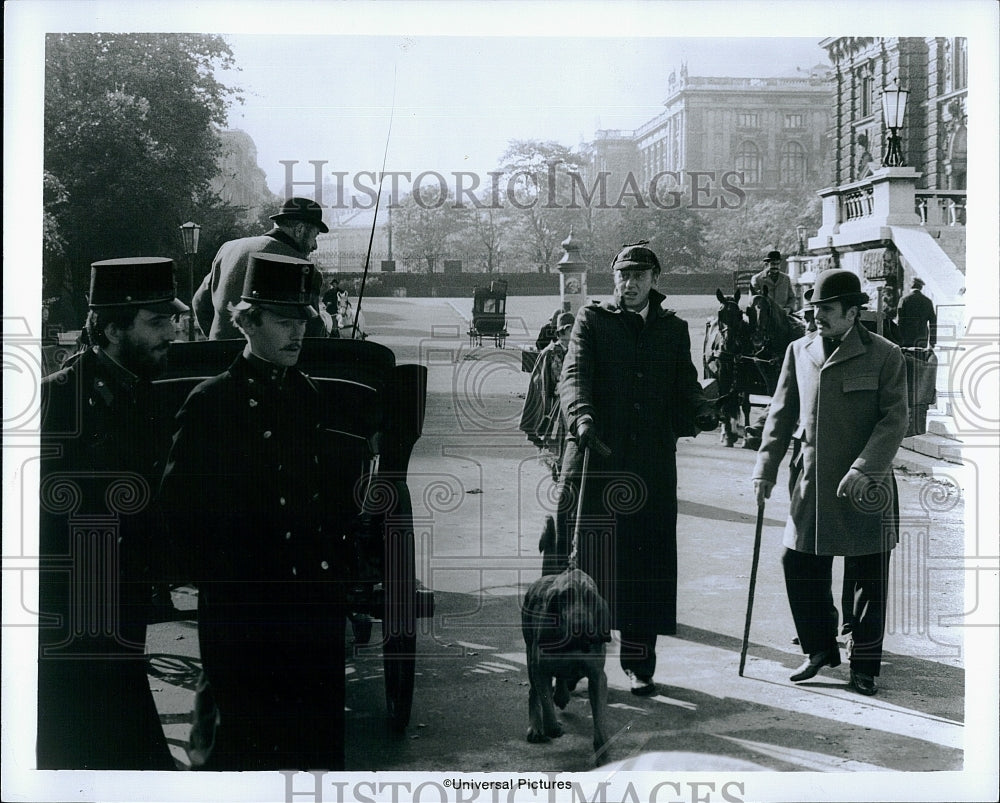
(489, 314)
(376, 409)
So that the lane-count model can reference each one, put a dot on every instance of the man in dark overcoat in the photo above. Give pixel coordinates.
(103, 447)
(841, 404)
(917, 318)
(256, 502)
(628, 383)
(294, 233)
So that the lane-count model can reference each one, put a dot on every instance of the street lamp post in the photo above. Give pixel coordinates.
(800, 232)
(189, 237)
(893, 109)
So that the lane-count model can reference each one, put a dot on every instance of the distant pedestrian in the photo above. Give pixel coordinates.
(628, 383)
(259, 501)
(296, 226)
(541, 417)
(776, 282)
(841, 404)
(103, 449)
(547, 334)
(917, 318)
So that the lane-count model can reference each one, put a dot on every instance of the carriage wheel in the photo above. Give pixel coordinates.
(399, 622)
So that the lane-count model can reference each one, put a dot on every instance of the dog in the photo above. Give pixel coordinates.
(566, 623)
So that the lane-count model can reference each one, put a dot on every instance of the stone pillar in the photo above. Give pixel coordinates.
(572, 276)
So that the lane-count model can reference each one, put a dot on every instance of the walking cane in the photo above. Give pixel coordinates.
(753, 583)
(574, 548)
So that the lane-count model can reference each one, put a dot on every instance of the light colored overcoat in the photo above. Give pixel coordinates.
(849, 412)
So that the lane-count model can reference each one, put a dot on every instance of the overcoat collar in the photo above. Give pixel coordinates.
(855, 343)
(283, 237)
(656, 299)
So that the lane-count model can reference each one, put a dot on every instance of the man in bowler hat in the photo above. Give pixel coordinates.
(258, 504)
(103, 447)
(779, 286)
(917, 318)
(841, 404)
(294, 233)
(628, 385)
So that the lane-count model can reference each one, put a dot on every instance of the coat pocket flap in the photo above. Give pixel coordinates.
(863, 382)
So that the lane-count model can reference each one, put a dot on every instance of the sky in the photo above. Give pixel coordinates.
(456, 102)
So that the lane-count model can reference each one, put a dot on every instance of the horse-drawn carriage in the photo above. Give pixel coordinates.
(742, 355)
(489, 314)
(376, 411)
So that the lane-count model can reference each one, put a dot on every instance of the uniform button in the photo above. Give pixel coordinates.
(267, 434)
(250, 380)
(100, 384)
(315, 496)
(324, 565)
(281, 500)
(279, 467)
(294, 571)
(253, 402)
(288, 536)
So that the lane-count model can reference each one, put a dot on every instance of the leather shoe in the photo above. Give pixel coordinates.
(641, 685)
(815, 662)
(863, 683)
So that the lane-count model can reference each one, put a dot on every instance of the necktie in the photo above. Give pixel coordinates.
(829, 346)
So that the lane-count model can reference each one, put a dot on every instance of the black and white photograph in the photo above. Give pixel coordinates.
(501, 401)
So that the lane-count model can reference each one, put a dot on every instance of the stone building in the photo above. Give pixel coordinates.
(772, 130)
(240, 181)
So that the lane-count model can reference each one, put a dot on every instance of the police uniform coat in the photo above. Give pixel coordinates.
(102, 448)
(224, 284)
(848, 412)
(636, 380)
(259, 506)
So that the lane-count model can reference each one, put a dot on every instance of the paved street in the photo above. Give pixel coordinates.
(480, 496)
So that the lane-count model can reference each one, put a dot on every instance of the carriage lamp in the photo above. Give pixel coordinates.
(800, 232)
(893, 109)
(189, 238)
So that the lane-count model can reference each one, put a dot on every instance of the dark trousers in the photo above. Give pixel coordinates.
(638, 651)
(808, 581)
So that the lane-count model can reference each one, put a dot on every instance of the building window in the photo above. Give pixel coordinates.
(794, 121)
(961, 63)
(748, 163)
(792, 167)
(866, 90)
(747, 120)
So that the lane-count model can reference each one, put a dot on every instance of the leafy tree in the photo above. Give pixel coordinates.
(538, 188)
(129, 146)
(738, 239)
(427, 223)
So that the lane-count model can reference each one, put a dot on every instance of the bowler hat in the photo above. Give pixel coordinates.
(146, 282)
(285, 285)
(636, 256)
(564, 321)
(773, 256)
(838, 285)
(302, 209)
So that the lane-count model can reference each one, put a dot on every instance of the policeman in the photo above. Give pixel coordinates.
(778, 285)
(103, 445)
(255, 501)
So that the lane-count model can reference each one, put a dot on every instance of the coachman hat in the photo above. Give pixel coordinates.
(285, 285)
(303, 209)
(146, 282)
(636, 256)
(773, 256)
(838, 285)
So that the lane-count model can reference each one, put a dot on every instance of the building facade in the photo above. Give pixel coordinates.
(771, 130)
(240, 181)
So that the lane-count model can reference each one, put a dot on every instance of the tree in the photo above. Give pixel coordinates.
(129, 146)
(538, 192)
(738, 239)
(489, 224)
(426, 223)
(676, 236)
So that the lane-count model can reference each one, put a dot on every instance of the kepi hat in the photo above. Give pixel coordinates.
(284, 285)
(304, 209)
(635, 256)
(838, 284)
(146, 282)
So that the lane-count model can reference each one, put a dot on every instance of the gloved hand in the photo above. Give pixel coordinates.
(586, 433)
(706, 421)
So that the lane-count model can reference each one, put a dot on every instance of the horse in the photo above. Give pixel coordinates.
(772, 330)
(728, 340)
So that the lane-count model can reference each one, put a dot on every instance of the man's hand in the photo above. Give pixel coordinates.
(854, 485)
(762, 490)
(706, 422)
(586, 436)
